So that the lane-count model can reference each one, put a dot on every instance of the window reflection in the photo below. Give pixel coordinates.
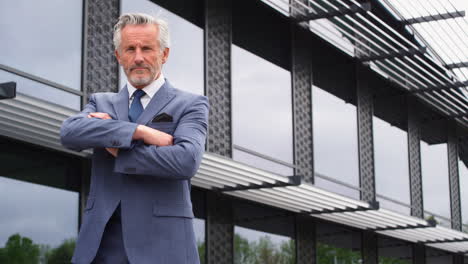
(199, 228)
(337, 245)
(41, 91)
(335, 143)
(251, 246)
(435, 181)
(394, 251)
(391, 165)
(45, 219)
(185, 66)
(262, 110)
(38, 39)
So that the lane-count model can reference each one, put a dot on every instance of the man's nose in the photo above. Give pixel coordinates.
(138, 56)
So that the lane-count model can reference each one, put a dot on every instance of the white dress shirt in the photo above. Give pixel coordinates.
(150, 91)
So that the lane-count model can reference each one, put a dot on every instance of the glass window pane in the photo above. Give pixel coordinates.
(391, 166)
(252, 246)
(185, 66)
(336, 244)
(464, 193)
(394, 251)
(199, 228)
(262, 110)
(435, 180)
(46, 215)
(42, 91)
(40, 40)
(335, 143)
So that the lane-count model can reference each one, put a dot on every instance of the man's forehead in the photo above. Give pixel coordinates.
(140, 31)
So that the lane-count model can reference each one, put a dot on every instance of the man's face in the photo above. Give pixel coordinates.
(140, 54)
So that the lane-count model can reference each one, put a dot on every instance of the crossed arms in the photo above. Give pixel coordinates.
(141, 149)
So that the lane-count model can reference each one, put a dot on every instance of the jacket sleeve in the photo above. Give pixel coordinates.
(79, 132)
(179, 161)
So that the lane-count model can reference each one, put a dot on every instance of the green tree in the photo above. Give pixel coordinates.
(19, 250)
(201, 251)
(61, 254)
(243, 253)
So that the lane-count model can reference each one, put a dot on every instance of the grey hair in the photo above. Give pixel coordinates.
(142, 19)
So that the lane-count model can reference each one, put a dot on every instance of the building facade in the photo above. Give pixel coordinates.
(315, 153)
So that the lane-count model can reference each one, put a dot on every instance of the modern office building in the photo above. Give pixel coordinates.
(338, 128)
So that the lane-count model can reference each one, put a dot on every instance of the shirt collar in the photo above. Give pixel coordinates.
(150, 89)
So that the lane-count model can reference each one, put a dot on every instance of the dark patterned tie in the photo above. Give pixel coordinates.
(136, 108)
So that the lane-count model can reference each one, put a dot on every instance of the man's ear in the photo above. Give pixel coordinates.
(165, 55)
(116, 52)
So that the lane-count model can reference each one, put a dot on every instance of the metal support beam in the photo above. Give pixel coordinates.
(414, 159)
(293, 181)
(219, 230)
(218, 39)
(446, 241)
(395, 54)
(7, 90)
(430, 18)
(369, 242)
(446, 86)
(402, 227)
(306, 240)
(454, 177)
(374, 205)
(342, 11)
(302, 104)
(457, 65)
(365, 112)
(100, 67)
(419, 254)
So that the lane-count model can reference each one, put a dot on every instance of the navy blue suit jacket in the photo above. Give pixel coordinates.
(151, 183)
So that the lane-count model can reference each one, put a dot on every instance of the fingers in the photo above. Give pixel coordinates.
(99, 115)
(113, 151)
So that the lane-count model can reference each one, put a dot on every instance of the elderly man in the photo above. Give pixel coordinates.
(148, 142)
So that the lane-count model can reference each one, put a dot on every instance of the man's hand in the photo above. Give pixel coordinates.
(99, 115)
(113, 151)
(152, 136)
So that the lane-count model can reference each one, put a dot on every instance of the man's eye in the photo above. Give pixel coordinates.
(130, 49)
(146, 48)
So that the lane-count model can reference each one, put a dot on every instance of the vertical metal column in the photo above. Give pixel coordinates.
(100, 67)
(419, 254)
(218, 28)
(218, 34)
(369, 247)
(302, 104)
(306, 245)
(365, 111)
(454, 177)
(415, 173)
(219, 230)
(414, 157)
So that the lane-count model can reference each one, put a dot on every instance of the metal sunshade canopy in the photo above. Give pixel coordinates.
(220, 174)
(432, 64)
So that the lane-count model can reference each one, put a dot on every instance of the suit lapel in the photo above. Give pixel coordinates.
(162, 97)
(120, 104)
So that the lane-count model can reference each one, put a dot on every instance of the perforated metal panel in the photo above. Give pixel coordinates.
(302, 106)
(218, 75)
(455, 204)
(414, 153)
(305, 240)
(365, 106)
(219, 230)
(369, 248)
(100, 65)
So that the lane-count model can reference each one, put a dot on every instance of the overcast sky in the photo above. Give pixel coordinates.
(262, 118)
